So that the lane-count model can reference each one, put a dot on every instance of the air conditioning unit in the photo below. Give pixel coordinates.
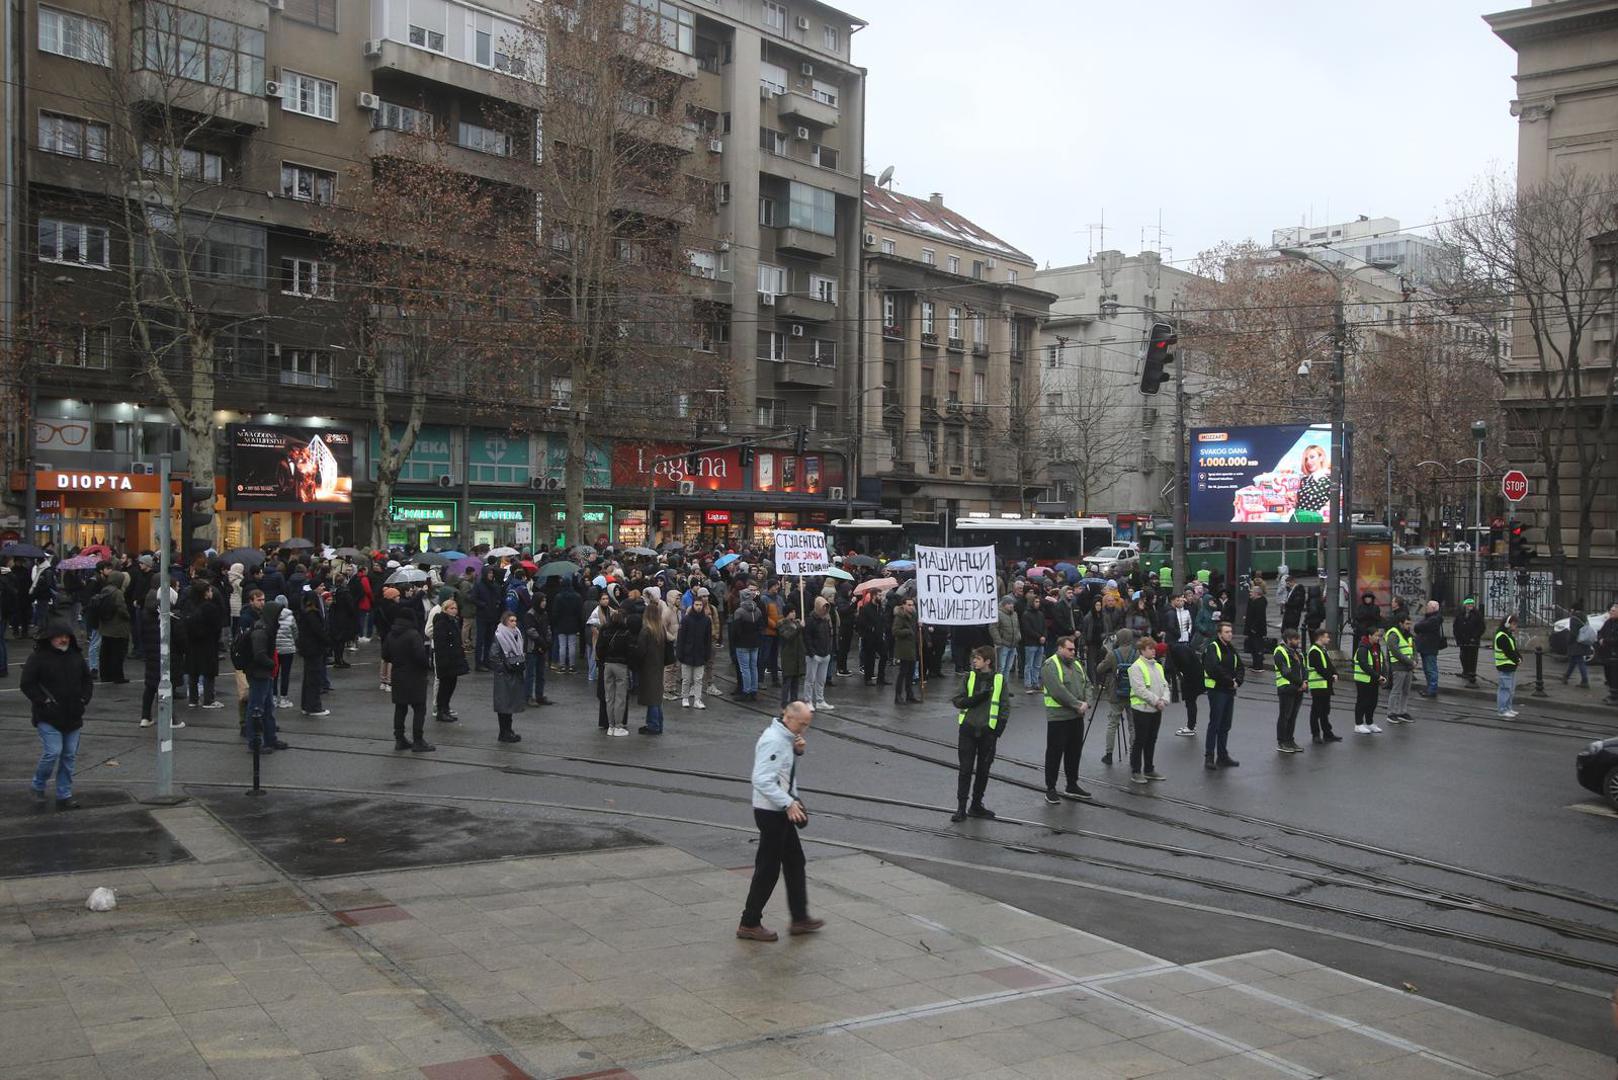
(143, 468)
(797, 329)
(373, 49)
(765, 92)
(368, 100)
(870, 239)
(767, 299)
(834, 494)
(272, 88)
(990, 264)
(723, 245)
(446, 481)
(802, 22)
(538, 483)
(803, 132)
(688, 487)
(277, 5)
(716, 146)
(808, 70)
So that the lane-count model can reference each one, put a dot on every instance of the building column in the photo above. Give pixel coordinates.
(912, 382)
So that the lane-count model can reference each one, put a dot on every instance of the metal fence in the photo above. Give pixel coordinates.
(1554, 586)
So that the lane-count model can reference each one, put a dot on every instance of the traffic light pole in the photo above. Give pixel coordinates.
(1334, 516)
(1181, 438)
(165, 687)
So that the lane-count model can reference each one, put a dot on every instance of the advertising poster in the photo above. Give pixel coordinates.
(1277, 477)
(1373, 571)
(289, 468)
(956, 586)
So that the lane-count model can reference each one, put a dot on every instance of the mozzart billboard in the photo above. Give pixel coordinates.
(289, 468)
(1271, 479)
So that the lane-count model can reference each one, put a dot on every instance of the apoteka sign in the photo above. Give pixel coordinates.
(75, 481)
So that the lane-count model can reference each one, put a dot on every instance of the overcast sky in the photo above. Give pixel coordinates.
(1231, 117)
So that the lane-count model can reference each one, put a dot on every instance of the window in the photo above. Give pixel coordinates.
(772, 77)
(630, 251)
(978, 457)
(775, 16)
(73, 136)
(822, 417)
(1011, 277)
(72, 242)
(309, 96)
(772, 345)
(823, 92)
(637, 104)
(308, 185)
(484, 140)
(980, 383)
(823, 157)
(423, 38)
(306, 367)
(1053, 402)
(321, 13)
(833, 39)
(927, 317)
(772, 141)
(955, 264)
(954, 387)
(772, 280)
(927, 383)
(1053, 356)
(561, 390)
(823, 288)
(204, 165)
(980, 330)
(76, 346)
(890, 310)
(929, 439)
(812, 208)
(768, 409)
(213, 249)
(766, 211)
(307, 277)
(952, 447)
(191, 45)
(702, 264)
(72, 35)
(391, 117)
(955, 324)
(928, 258)
(888, 246)
(662, 22)
(823, 351)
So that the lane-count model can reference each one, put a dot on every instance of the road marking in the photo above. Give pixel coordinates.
(1593, 809)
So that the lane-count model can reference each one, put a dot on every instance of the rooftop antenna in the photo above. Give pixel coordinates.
(1095, 228)
(886, 179)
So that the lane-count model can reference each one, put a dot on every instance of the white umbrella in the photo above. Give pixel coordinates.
(502, 553)
(408, 575)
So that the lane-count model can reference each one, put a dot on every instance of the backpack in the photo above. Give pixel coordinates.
(241, 648)
(1120, 677)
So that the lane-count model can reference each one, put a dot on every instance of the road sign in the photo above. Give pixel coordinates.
(1514, 485)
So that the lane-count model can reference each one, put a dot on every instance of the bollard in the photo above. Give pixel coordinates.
(256, 791)
(1539, 671)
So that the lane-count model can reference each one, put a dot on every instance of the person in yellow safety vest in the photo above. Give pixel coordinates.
(1148, 697)
(1401, 669)
(1067, 700)
(1322, 677)
(1506, 659)
(1289, 679)
(1368, 677)
(984, 705)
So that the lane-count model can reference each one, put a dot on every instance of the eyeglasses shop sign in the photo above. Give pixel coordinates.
(800, 551)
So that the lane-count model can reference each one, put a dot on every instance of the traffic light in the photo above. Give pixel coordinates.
(196, 513)
(1520, 554)
(1157, 358)
(802, 443)
(693, 464)
(745, 456)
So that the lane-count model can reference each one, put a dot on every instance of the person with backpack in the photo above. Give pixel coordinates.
(254, 653)
(1581, 639)
(1112, 686)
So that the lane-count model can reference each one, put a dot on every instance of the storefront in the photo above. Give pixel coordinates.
(79, 508)
(499, 523)
(422, 524)
(598, 521)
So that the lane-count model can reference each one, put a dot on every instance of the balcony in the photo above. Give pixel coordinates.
(980, 348)
(651, 129)
(979, 416)
(673, 61)
(213, 295)
(386, 143)
(893, 333)
(929, 405)
(807, 110)
(200, 99)
(805, 374)
(385, 55)
(651, 204)
(788, 306)
(804, 242)
(955, 344)
(930, 340)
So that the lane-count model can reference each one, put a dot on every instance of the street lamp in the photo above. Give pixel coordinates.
(1334, 520)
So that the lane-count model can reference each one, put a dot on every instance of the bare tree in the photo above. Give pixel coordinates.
(1090, 439)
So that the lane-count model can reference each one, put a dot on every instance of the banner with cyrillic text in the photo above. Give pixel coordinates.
(956, 586)
(800, 551)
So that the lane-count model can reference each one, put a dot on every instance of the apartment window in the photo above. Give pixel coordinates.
(308, 277)
(561, 390)
(928, 257)
(952, 447)
(823, 157)
(772, 280)
(812, 208)
(309, 96)
(1011, 277)
(72, 242)
(484, 140)
(955, 264)
(927, 317)
(772, 77)
(73, 136)
(391, 117)
(321, 13)
(772, 141)
(662, 22)
(980, 269)
(823, 351)
(766, 211)
(637, 104)
(772, 345)
(954, 387)
(980, 330)
(833, 39)
(823, 92)
(1053, 403)
(307, 184)
(978, 458)
(212, 248)
(888, 246)
(775, 16)
(72, 35)
(629, 251)
(768, 410)
(76, 346)
(191, 45)
(1053, 356)
(927, 383)
(890, 310)
(203, 165)
(822, 417)
(929, 439)
(955, 324)
(702, 264)
(980, 388)
(823, 288)
(306, 367)
(425, 38)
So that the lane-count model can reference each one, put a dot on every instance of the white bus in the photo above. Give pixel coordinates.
(1042, 540)
(867, 536)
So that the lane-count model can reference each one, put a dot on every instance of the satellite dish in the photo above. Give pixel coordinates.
(886, 179)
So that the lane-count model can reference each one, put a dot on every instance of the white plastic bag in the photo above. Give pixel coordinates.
(102, 899)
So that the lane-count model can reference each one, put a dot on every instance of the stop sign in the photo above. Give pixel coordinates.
(1514, 485)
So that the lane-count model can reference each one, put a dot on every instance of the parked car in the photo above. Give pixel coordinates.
(1113, 560)
(1597, 768)
(1561, 630)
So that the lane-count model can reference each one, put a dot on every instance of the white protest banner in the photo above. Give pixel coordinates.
(955, 586)
(800, 551)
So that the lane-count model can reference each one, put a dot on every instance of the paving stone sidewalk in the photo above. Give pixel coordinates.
(624, 966)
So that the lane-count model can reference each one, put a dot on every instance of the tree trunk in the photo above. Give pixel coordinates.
(382, 498)
(1551, 454)
(573, 469)
(197, 423)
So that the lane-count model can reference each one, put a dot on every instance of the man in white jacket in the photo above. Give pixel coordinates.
(779, 815)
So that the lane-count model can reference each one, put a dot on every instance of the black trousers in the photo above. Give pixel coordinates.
(446, 690)
(902, 690)
(113, 651)
(1144, 748)
(845, 641)
(309, 688)
(780, 854)
(1064, 743)
(1469, 661)
(417, 723)
(1319, 713)
(977, 754)
(1365, 703)
(1286, 721)
(873, 659)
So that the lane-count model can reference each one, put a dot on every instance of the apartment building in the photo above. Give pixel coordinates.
(950, 414)
(287, 106)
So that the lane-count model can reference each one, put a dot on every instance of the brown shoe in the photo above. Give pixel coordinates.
(757, 933)
(805, 926)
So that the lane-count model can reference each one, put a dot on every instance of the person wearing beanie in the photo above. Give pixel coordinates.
(1112, 689)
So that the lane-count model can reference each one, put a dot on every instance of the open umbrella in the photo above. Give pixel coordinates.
(349, 553)
(673, 545)
(839, 574)
(559, 568)
(102, 550)
(15, 550)
(1094, 581)
(407, 575)
(80, 562)
(297, 543)
(901, 564)
(502, 553)
(881, 584)
(248, 557)
(431, 558)
(466, 564)
(1037, 571)
(644, 552)
(725, 560)
(861, 560)
(452, 554)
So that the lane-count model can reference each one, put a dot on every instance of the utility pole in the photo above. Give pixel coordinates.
(1181, 437)
(1334, 514)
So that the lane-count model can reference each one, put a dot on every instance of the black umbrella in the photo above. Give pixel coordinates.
(673, 545)
(432, 558)
(297, 543)
(248, 557)
(861, 560)
(15, 550)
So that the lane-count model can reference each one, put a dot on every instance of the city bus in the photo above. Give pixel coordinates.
(866, 536)
(1045, 541)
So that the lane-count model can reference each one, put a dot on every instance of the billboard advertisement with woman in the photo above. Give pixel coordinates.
(1275, 477)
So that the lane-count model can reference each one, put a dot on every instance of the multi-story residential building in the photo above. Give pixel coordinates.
(949, 409)
(288, 106)
(1401, 257)
(1111, 449)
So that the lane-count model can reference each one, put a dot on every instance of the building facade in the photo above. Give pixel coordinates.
(949, 410)
(284, 109)
(1366, 241)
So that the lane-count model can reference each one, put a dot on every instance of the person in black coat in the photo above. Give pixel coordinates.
(151, 629)
(204, 620)
(567, 623)
(342, 622)
(406, 651)
(449, 657)
(314, 646)
(535, 624)
(1469, 635)
(1256, 625)
(1292, 610)
(488, 602)
(56, 681)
